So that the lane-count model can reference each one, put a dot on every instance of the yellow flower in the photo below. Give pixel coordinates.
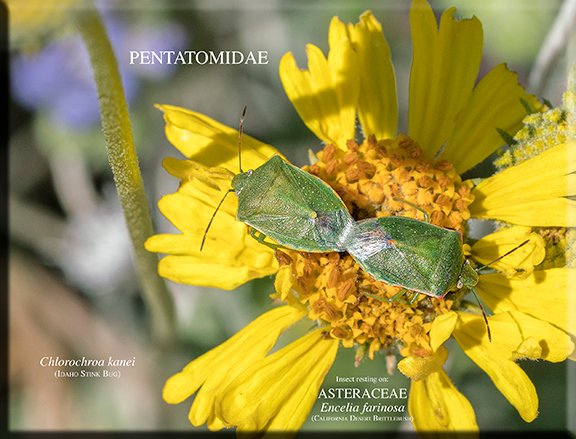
(287, 383)
(434, 401)
(550, 178)
(223, 263)
(211, 372)
(454, 123)
(31, 20)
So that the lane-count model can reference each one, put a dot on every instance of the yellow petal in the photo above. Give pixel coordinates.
(190, 210)
(529, 348)
(377, 104)
(230, 256)
(445, 65)
(554, 345)
(548, 295)
(496, 358)
(226, 275)
(337, 32)
(278, 392)
(532, 193)
(418, 368)
(197, 176)
(325, 95)
(520, 261)
(496, 102)
(343, 70)
(442, 328)
(32, 21)
(209, 142)
(283, 282)
(217, 367)
(435, 405)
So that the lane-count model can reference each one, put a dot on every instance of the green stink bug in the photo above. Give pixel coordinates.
(296, 209)
(412, 254)
(293, 207)
(416, 256)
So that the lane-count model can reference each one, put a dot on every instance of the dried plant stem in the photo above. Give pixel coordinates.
(553, 46)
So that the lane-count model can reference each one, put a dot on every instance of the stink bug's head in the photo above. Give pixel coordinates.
(239, 181)
(468, 276)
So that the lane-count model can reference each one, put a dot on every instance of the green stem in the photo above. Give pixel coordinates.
(125, 169)
(570, 102)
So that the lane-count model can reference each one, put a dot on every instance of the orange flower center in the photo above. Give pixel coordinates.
(375, 179)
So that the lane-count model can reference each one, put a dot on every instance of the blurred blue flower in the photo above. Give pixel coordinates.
(59, 78)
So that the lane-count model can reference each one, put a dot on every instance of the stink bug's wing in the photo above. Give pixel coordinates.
(378, 254)
(293, 207)
(408, 253)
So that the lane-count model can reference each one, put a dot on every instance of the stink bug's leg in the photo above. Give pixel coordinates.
(440, 151)
(374, 296)
(257, 235)
(483, 313)
(260, 237)
(418, 208)
(212, 218)
(395, 297)
(398, 295)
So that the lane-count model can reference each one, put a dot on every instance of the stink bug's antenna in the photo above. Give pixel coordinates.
(483, 313)
(240, 132)
(504, 255)
(212, 218)
(476, 294)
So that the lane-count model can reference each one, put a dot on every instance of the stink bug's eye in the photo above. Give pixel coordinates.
(460, 284)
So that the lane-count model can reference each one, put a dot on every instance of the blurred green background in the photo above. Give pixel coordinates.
(73, 290)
